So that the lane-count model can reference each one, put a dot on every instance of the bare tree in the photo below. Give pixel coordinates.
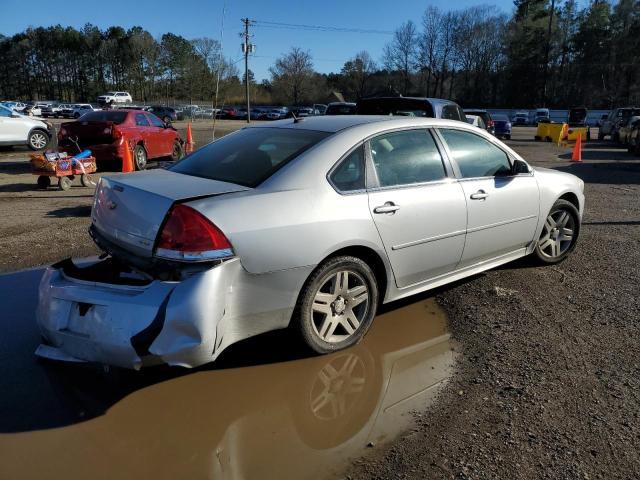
(430, 45)
(292, 73)
(357, 72)
(401, 54)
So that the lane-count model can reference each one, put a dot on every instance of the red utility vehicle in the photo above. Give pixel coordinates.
(107, 132)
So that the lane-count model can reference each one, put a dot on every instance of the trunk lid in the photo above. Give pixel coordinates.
(88, 133)
(128, 209)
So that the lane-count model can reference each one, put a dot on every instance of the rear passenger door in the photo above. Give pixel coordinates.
(502, 208)
(144, 129)
(418, 208)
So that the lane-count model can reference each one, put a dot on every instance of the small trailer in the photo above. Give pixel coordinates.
(65, 168)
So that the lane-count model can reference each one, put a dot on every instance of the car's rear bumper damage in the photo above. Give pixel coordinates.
(107, 312)
(109, 315)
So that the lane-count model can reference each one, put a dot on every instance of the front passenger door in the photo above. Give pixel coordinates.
(503, 208)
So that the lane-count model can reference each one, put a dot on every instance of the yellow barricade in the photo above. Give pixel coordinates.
(551, 132)
(573, 133)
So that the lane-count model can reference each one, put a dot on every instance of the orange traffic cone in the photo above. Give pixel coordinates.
(576, 156)
(190, 142)
(127, 159)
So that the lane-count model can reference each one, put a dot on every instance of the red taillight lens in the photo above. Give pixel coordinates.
(116, 133)
(189, 236)
(491, 123)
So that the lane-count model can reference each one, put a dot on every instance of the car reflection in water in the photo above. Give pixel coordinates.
(297, 419)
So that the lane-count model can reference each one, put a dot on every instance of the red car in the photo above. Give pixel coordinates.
(106, 133)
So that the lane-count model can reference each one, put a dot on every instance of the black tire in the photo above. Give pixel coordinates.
(178, 152)
(76, 115)
(307, 322)
(44, 182)
(38, 140)
(139, 158)
(167, 120)
(600, 135)
(545, 254)
(507, 137)
(64, 183)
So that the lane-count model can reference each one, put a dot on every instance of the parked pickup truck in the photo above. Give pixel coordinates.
(107, 132)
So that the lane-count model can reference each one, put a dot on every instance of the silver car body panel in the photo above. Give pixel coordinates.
(280, 232)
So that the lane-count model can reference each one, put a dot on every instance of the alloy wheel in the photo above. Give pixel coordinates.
(39, 140)
(339, 306)
(557, 234)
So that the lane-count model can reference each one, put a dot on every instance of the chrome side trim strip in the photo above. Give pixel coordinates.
(459, 232)
(427, 240)
(499, 224)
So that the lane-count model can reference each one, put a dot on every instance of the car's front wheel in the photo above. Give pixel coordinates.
(559, 233)
(337, 304)
(38, 140)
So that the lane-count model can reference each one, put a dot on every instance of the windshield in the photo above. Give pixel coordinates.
(105, 116)
(500, 118)
(250, 156)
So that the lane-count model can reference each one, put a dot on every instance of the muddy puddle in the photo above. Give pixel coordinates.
(259, 413)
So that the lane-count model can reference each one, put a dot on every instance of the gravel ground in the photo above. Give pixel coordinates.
(548, 383)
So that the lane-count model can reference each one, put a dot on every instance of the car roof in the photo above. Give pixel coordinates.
(336, 123)
(469, 110)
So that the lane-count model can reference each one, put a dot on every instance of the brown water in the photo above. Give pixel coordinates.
(299, 419)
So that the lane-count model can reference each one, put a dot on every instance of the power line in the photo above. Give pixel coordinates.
(319, 28)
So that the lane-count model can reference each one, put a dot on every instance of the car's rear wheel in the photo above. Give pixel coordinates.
(167, 120)
(337, 304)
(38, 139)
(140, 157)
(559, 233)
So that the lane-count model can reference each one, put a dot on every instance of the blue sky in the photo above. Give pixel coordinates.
(197, 18)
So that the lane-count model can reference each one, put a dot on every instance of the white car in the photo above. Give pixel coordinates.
(476, 121)
(17, 129)
(115, 97)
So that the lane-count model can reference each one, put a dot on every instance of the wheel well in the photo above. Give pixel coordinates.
(572, 198)
(371, 258)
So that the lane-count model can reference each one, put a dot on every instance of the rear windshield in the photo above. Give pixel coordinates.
(395, 106)
(105, 116)
(340, 110)
(249, 156)
(501, 118)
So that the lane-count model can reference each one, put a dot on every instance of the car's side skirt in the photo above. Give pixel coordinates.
(398, 293)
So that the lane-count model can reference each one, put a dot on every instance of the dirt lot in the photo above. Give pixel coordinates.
(548, 381)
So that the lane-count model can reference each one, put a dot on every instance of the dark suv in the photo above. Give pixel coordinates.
(166, 114)
(486, 118)
(411, 107)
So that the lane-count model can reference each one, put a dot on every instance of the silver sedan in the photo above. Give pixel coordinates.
(304, 223)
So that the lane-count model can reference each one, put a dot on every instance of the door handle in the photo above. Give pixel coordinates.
(479, 195)
(388, 207)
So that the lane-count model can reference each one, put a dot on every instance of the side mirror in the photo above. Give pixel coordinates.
(519, 167)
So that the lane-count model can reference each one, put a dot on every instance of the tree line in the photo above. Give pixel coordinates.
(546, 53)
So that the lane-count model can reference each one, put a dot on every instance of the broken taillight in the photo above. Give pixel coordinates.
(189, 236)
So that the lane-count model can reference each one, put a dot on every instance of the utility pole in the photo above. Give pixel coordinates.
(247, 48)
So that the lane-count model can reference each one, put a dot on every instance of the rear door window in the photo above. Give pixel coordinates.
(349, 176)
(141, 120)
(406, 157)
(249, 156)
(475, 156)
